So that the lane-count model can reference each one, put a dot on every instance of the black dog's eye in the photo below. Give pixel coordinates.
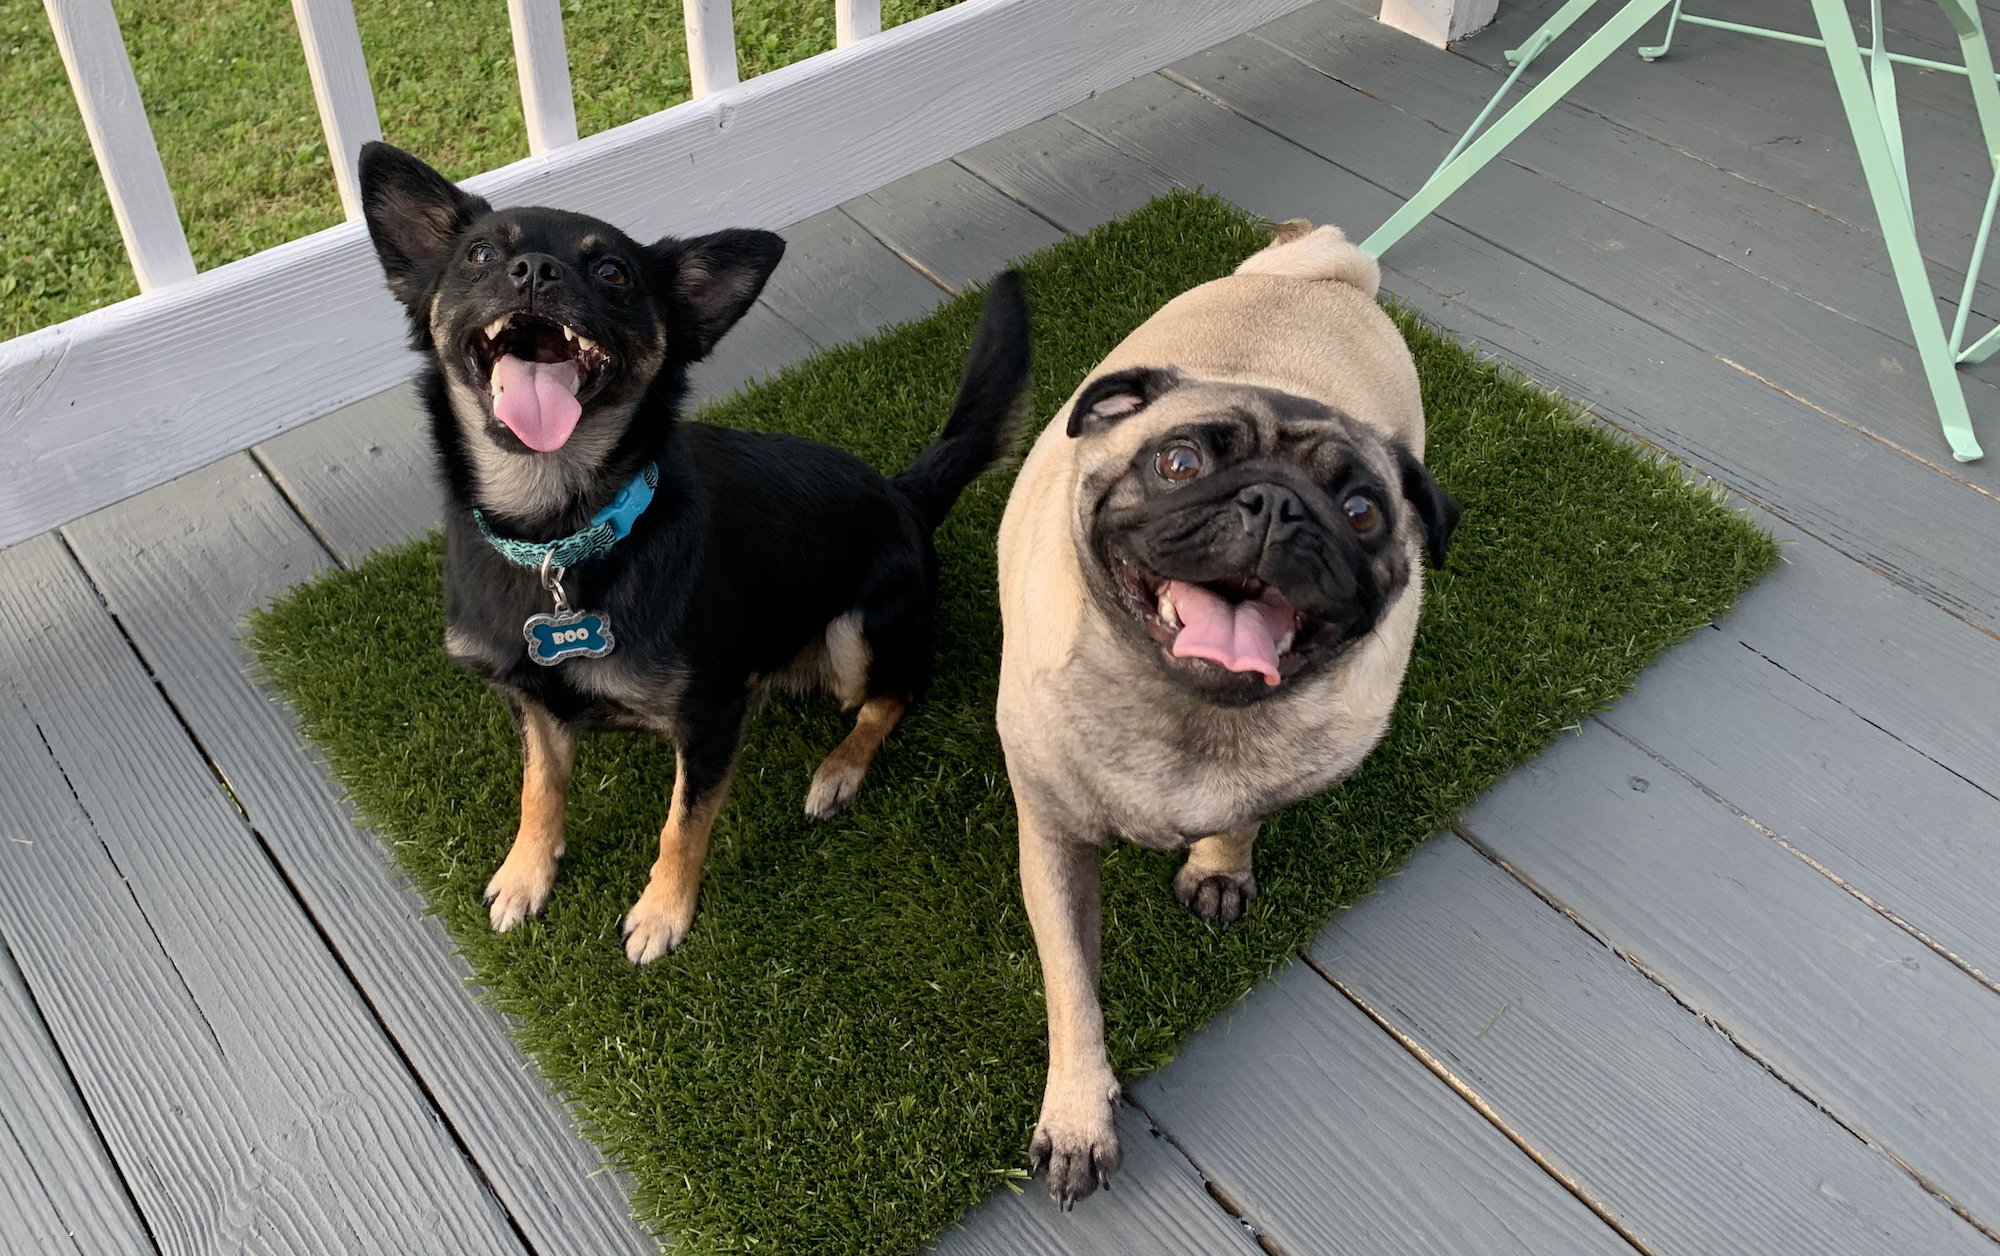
(482, 253)
(1362, 512)
(610, 272)
(1177, 462)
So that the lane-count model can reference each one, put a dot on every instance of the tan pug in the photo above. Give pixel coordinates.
(1209, 580)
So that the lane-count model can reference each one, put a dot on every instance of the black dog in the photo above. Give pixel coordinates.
(706, 564)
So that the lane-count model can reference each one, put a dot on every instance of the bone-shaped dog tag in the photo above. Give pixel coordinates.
(568, 635)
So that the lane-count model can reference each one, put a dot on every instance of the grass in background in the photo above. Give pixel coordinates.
(848, 1051)
(231, 106)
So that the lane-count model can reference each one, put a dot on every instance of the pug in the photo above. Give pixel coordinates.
(1211, 567)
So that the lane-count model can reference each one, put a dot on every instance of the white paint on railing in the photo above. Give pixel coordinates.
(340, 86)
(855, 20)
(546, 100)
(107, 93)
(126, 397)
(711, 37)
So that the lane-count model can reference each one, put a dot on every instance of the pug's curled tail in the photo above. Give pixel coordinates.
(982, 422)
(1301, 251)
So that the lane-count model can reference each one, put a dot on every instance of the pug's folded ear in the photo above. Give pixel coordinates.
(413, 212)
(1119, 395)
(1433, 505)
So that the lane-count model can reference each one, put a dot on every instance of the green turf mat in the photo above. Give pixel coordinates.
(848, 1051)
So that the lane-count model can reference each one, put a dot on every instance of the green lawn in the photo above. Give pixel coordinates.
(849, 1049)
(226, 88)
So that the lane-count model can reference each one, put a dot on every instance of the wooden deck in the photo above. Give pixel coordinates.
(1718, 973)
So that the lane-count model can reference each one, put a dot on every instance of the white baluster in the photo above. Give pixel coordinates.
(711, 35)
(101, 76)
(547, 103)
(340, 86)
(855, 20)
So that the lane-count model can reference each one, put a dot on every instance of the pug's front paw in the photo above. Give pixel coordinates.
(1076, 1139)
(1216, 898)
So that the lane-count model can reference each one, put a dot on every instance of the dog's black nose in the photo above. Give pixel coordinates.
(535, 272)
(1270, 511)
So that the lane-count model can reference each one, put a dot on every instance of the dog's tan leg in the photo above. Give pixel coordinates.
(521, 887)
(1075, 1138)
(660, 920)
(839, 776)
(1216, 882)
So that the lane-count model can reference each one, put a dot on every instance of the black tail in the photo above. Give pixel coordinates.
(981, 425)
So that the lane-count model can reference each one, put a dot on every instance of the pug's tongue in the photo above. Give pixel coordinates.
(534, 400)
(1242, 637)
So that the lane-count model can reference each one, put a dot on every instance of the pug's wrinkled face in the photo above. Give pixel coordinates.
(1245, 536)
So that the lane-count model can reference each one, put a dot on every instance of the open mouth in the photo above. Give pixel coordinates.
(1240, 624)
(537, 373)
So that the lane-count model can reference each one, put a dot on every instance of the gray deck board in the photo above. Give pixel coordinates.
(59, 1191)
(1872, 503)
(245, 1090)
(1065, 174)
(1332, 1139)
(952, 223)
(1913, 831)
(1157, 1204)
(362, 475)
(1897, 1043)
(180, 565)
(838, 283)
(1672, 240)
(1652, 1112)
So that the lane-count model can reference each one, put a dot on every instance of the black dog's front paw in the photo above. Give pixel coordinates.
(1216, 898)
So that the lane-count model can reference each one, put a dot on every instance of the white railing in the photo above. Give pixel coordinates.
(200, 366)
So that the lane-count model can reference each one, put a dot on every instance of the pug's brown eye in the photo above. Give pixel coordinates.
(1362, 512)
(1178, 462)
(482, 254)
(610, 272)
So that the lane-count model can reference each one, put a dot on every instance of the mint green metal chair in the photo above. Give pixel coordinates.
(1868, 94)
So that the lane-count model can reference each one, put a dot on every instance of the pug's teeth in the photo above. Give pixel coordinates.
(1166, 609)
(1285, 642)
(498, 325)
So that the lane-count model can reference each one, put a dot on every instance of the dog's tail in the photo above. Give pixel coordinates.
(981, 426)
(1301, 251)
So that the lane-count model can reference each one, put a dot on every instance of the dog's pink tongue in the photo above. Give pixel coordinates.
(533, 399)
(1242, 637)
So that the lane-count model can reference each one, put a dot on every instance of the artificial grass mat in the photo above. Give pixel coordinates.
(849, 1049)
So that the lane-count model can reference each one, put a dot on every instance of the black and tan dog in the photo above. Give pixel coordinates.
(709, 564)
(1210, 576)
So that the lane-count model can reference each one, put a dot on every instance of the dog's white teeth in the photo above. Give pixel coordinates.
(575, 384)
(569, 333)
(498, 325)
(1166, 609)
(584, 342)
(1285, 642)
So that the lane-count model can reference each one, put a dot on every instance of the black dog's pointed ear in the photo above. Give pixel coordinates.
(413, 212)
(1433, 505)
(1119, 395)
(714, 278)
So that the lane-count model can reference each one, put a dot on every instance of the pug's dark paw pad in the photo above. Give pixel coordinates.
(1216, 898)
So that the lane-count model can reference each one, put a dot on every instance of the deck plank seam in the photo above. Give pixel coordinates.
(1714, 1022)
(1943, 952)
(138, 904)
(900, 254)
(1006, 195)
(1444, 214)
(1217, 1194)
(436, 1109)
(1478, 1103)
(298, 508)
(69, 1075)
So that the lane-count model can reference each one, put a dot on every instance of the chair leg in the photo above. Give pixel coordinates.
(1885, 186)
(1622, 26)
